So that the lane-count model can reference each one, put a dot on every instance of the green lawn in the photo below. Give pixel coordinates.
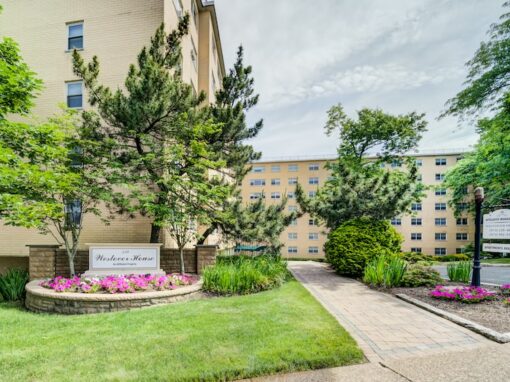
(505, 260)
(214, 339)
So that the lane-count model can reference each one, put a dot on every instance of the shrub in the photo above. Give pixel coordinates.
(463, 294)
(12, 284)
(455, 257)
(419, 275)
(385, 271)
(244, 275)
(356, 242)
(413, 257)
(459, 272)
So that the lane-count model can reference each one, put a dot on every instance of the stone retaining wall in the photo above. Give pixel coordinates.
(44, 300)
(46, 261)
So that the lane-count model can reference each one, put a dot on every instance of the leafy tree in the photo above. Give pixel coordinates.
(487, 166)
(158, 137)
(488, 79)
(359, 186)
(44, 178)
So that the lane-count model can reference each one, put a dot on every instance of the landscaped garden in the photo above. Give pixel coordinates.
(221, 338)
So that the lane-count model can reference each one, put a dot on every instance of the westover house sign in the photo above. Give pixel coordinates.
(123, 259)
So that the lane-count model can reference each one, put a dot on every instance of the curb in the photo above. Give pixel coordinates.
(473, 326)
(490, 265)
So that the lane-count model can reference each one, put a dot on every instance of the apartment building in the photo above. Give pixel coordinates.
(115, 30)
(432, 227)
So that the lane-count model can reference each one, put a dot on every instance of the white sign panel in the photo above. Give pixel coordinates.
(496, 225)
(126, 258)
(105, 259)
(494, 247)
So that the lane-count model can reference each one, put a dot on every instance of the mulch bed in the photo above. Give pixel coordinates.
(491, 314)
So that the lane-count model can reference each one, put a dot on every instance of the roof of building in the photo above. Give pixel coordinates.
(209, 6)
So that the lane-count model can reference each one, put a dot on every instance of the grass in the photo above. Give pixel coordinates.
(222, 338)
(504, 260)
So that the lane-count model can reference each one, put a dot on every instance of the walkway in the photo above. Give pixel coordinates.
(384, 327)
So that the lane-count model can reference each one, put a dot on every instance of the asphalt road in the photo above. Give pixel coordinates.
(492, 275)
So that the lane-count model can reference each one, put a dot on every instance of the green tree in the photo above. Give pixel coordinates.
(488, 78)
(359, 186)
(158, 136)
(47, 172)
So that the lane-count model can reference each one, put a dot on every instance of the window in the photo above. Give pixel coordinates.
(291, 195)
(74, 95)
(258, 169)
(462, 221)
(312, 222)
(396, 221)
(462, 206)
(461, 236)
(194, 12)
(419, 177)
(460, 250)
(256, 195)
(293, 222)
(292, 250)
(416, 221)
(440, 206)
(292, 167)
(292, 180)
(275, 168)
(312, 194)
(440, 221)
(275, 195)
(440, 191)
(292, 208)
(416, 207)
(313, 250)
(419, 163)
(439, 176)
(257, 182)
(313, 167)
(275, 182)
(439, 251)
(440, 161)
(396, 163)
(440, 236)
(178, 8)
(292, 235)
(415, 236)
(194, 55)
(313, 180)
(313, 236)
(416, 249)
(75, 36)
(213, 44)
(213, 83)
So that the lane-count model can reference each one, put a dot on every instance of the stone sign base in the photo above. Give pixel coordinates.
(45, 300)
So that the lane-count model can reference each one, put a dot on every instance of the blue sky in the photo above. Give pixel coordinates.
(397, 55)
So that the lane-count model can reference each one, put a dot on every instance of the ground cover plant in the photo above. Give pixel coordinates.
(245, 274)
(223, 338)
(462, 293)
(459, 271)
(12, 284)
(385, 271)
(418, 275)
(118, 283)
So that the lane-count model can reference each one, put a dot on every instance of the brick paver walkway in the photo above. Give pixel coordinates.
(384, 326)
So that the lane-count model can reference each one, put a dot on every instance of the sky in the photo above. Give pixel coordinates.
(396, 55)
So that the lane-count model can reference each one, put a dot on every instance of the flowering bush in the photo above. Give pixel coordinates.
(463, 294)
(505, 289)
(117, 283)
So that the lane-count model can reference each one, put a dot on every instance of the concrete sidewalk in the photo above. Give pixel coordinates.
(385, 327)
(488, 363)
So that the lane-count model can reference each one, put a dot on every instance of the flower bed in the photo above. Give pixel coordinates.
(118, 284)
(463, 294)
(505, 289)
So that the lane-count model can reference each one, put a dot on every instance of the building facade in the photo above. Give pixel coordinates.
(432, 227)
(114, 30)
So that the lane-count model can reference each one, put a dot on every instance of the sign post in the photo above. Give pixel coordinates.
(479, 196)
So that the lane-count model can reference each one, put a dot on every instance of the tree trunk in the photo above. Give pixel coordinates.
(206, 234)
(155, 233)
(71, 266)
(181, 258)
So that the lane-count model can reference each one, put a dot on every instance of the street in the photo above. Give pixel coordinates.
(492, 275)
